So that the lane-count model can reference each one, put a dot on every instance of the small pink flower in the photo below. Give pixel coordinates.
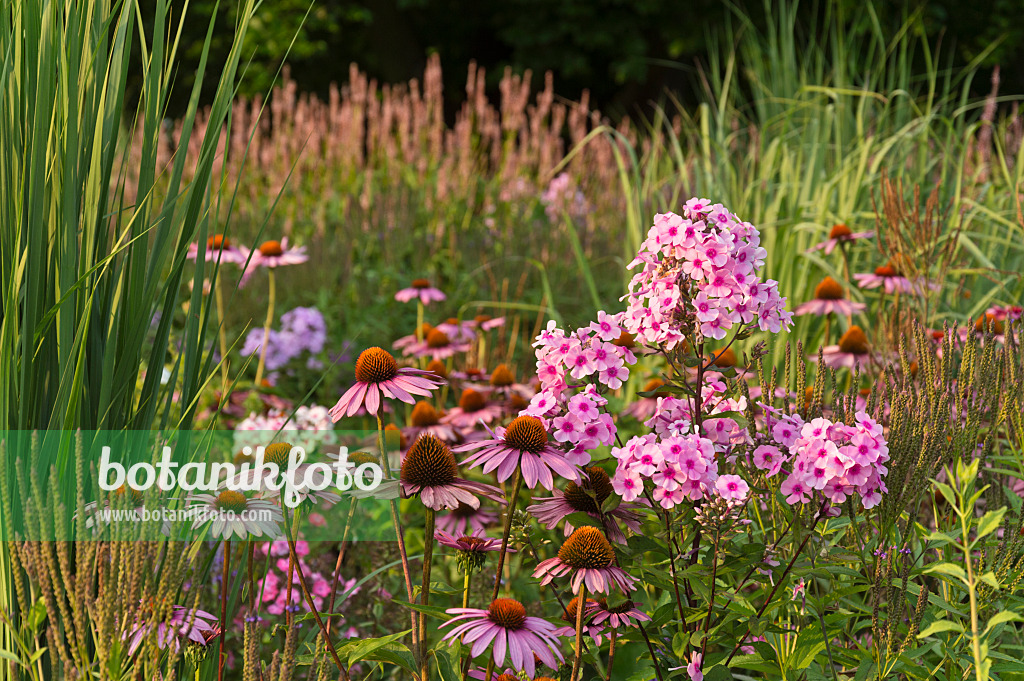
(732, 487)
(422, 290)
(693, 669)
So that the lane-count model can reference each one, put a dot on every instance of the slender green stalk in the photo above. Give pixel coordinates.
(581, 606)
(428, 553)
(225, 574)
(222, 336)
(396, 521)
(271, 298)
(509, 512)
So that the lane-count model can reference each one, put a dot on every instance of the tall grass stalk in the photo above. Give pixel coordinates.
(91, 274)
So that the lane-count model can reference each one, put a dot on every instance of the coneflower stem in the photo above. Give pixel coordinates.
(337, 564)
(221, 655)
(465, 588)
(428, 554)
(396, 520)
(509, 512)
(611, 655)
(294, 558)
(271, 295)
(581, 605)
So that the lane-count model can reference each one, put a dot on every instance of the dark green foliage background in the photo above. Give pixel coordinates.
(626, 52)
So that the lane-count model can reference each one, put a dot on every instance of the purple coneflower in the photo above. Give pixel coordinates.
(473, 408)
(840, 234)
(183, 624)
(231, 513)
(469, 542)
(590, 628)
(890, 279)
(218, 248)
(436, 345)
(458, 330)
(526, 441)
(421, 289)
(429, 469)
(587, 497)
(589, 557)
(279, 454)
(377, 372)
(471, 550)
(506, 625)
(486, 322)
(277, 254)
(625, 614)
(503, 380)
(829, 297)
(425, 419)
(466, 520)
(852, 349)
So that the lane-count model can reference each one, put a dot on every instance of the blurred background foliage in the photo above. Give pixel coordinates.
(625, 52)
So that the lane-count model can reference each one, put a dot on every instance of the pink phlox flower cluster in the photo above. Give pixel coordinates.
(827, 457)
(587, 352)
(569, 402)
(274, 590)
(673, 416)
(702, 266)
(680, 467)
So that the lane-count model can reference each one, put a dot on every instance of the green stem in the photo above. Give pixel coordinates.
(337, 563)
(510, 511)
(711, 602)
(294, 560)
(271, 296)
(581, 605)
(399, 532)
(221, 655)
(611, 654)
(222, 335)
(428, 552)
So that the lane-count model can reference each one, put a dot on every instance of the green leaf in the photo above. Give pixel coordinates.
(581, 518)
(363, 650)
(680, 644)
(948, 569)
(1001, 617)
(611, 503)
(640, 543)
(718, 673)
(990, 579)
(809, 643)
(430, 610)
(446, 669)
(990, 522)
(939, 626)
